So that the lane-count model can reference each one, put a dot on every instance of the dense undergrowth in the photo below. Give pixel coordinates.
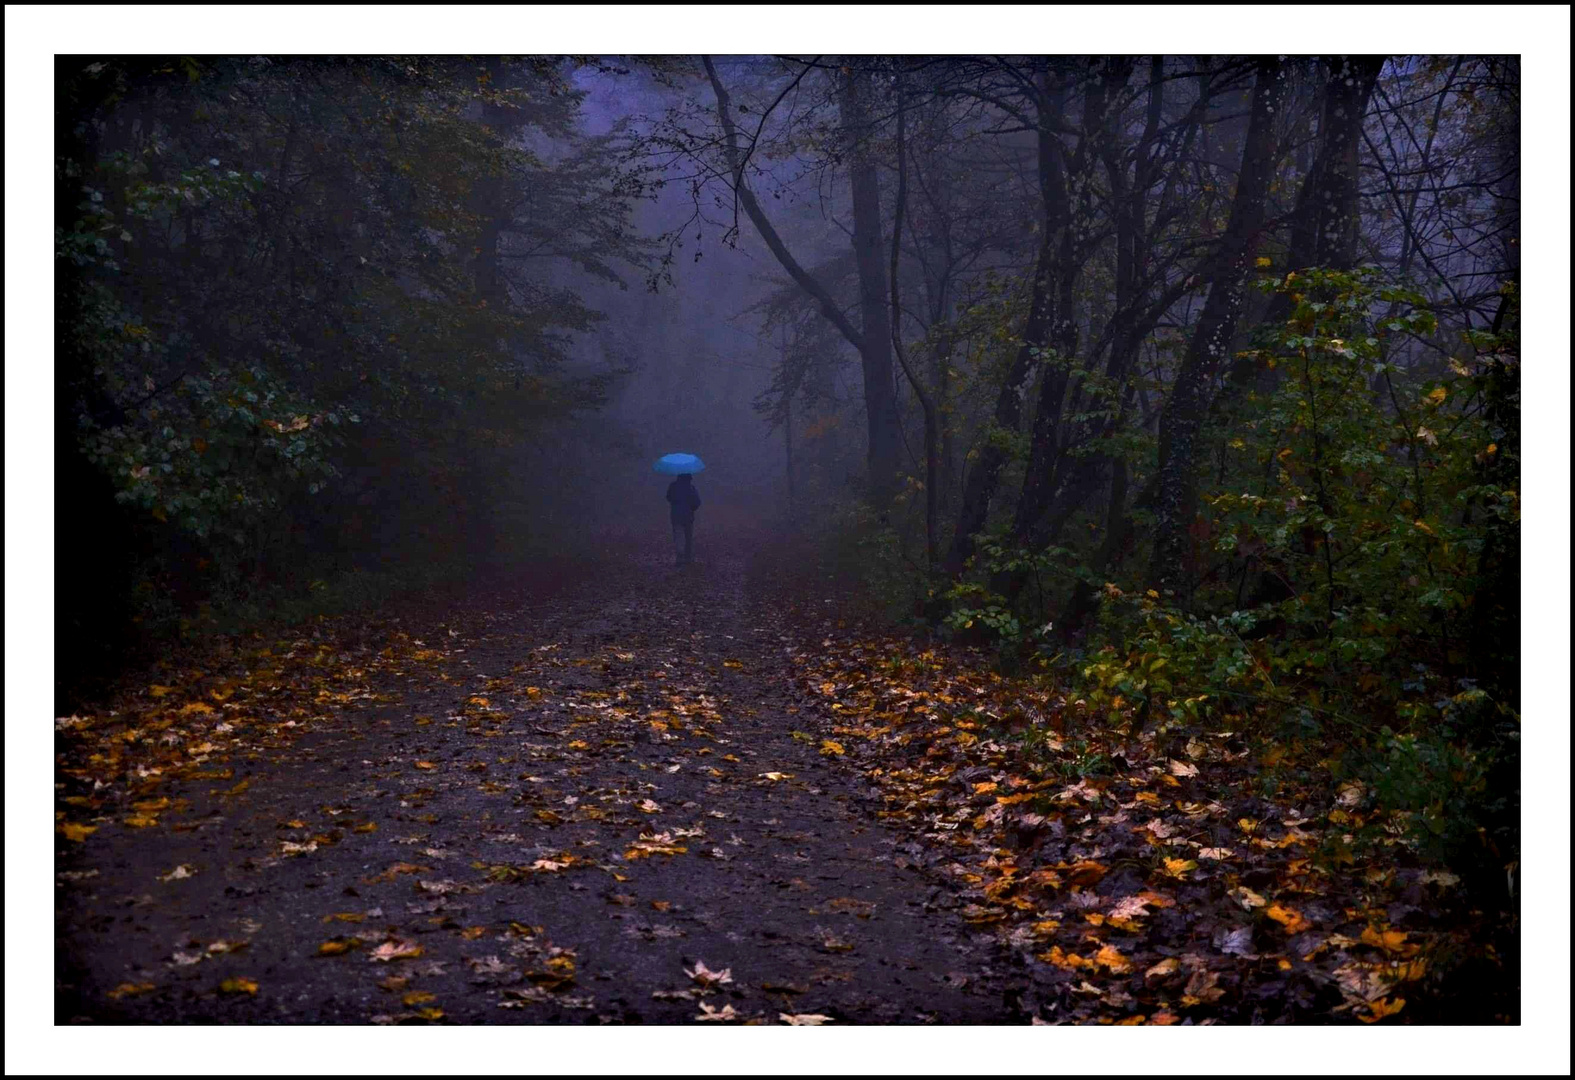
(1355, 609)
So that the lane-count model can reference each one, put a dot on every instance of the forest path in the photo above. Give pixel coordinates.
(556, 815)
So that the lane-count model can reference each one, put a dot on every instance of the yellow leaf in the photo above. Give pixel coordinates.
(130, 989)
(1069, 961)
(1179, 868)
(425, 765)
(1438, 396)
(1382, 1008)
(78, 833)
(830, 748)
(418, 997)
(1111, 958)
(337, 946)
(1290, 918)
(1391, 941)
(1247, 898)
(1163, 968)
(237, 986)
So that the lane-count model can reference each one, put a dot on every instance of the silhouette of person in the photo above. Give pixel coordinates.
(684, 500)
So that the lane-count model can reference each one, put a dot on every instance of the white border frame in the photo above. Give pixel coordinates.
(35, 33)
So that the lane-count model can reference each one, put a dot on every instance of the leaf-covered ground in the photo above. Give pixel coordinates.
(642, 794)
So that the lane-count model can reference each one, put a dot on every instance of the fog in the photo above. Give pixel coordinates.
(337, 320)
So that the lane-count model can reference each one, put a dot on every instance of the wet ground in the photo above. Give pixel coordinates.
(600, 804)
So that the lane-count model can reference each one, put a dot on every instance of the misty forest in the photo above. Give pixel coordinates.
(807, 540)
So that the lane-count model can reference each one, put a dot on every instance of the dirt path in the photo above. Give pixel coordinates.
(555, 818)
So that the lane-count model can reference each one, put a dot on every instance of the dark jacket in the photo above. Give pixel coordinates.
(684, 499)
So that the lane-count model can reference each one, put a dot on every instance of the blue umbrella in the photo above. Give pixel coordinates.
(678, 464)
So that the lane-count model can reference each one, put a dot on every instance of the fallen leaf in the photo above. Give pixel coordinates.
(1068, 961)
(1290, 918)
(338, 946)
(1237, 942)
(396, 950)
(804, 1019)
(1381, 1008)
(1391, 941)
(1247, 898)
(1201, 987)
(1086, 873)
(708, 978)
(1112, 959)
(1163, 968)
(238, 986)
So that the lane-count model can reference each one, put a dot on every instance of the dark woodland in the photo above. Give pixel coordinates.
(1102, 604)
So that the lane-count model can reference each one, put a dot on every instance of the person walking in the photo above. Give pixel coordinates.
(683, 500)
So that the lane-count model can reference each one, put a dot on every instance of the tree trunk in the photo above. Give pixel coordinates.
(880, 390)
(1190, 395)
(492, 200)
(873, 342)
(1039, 482)
(979, 487)
(932, 434)
(1326, 226)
